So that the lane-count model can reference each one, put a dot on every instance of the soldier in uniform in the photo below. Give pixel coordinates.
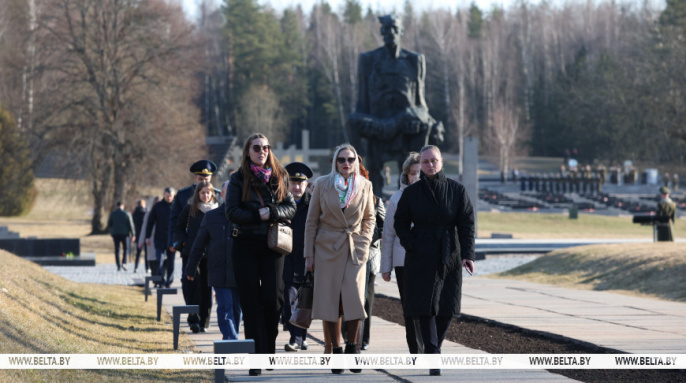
(666, 207)
(294, 263)
(203, 171)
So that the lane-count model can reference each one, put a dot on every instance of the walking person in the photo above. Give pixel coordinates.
(159, 220)
(258, 196)
(202, 171)
(138, 216)
(338, 232)
(435, 224)
(294, 263)
(213, 244)
(373, 264)
(150, 263)
(121, 230)
(195, 291)
(393, 254)
(665, 208)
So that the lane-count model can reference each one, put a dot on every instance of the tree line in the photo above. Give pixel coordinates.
(130, 88)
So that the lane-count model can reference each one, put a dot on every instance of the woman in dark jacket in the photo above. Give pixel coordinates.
(258, 196)
(195, 292)
(213, 243)
(437, 246)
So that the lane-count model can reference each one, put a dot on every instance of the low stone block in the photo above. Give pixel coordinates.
(160, 294)
(177, 311)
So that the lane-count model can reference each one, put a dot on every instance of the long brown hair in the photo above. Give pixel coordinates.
(278, 177)
(196, 196)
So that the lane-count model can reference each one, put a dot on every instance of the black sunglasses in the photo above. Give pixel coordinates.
(342, 160)
(258, 148)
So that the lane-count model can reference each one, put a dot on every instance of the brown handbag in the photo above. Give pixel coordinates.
(302, 315)
(279, 236)
(301, 318)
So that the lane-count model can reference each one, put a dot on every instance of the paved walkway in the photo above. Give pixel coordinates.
(387, 338)
(615, 321)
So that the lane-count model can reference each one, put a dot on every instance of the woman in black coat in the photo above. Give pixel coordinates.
(437, 246)
(197, 291)
(258, 196)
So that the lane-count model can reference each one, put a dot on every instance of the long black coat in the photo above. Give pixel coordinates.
(214, 241)
(159, 215)
(442, 235)
(294, 263)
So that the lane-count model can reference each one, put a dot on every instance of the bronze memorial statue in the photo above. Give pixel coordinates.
(391, 117)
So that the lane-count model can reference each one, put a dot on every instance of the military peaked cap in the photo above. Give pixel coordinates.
(204, 168)
(298, 171)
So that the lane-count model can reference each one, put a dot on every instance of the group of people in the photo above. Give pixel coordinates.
(342, 234)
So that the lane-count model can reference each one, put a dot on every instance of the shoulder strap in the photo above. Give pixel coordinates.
(259, 195)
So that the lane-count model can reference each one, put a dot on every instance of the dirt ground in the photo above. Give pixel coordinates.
(497, 338)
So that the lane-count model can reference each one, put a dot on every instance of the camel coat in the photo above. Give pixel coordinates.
(339, 242)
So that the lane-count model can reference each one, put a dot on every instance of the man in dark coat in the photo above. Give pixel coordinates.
(159, 219)
(138, 215)
(666, 208)
(437, 246)
(213, 245)
(121, 229)
(294, 263)
(202, 171)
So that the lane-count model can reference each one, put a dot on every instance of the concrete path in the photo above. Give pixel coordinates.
(387, 338)
(611, 320)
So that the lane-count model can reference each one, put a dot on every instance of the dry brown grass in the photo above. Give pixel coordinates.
(656, 270)
(43, 313)
(63, 210)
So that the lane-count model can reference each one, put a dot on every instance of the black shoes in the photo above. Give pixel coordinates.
(254, 372)
(435, 372)
(351, 348)
(337, 350)
(195, 328)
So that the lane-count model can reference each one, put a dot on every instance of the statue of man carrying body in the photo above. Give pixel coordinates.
(391, 112)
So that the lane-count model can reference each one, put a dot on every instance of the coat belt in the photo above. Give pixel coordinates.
(348, 231)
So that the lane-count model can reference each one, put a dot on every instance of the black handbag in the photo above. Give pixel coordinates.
(306, 292)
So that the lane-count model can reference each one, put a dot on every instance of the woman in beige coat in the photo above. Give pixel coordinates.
(338, 232)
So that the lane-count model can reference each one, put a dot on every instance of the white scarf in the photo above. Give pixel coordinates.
(205, 207)
(347, 189)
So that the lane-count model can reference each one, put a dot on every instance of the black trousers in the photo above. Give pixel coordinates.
(368, 307)
(122, 240)
(434, 329)
(259, 278)
(142, 249)
(413, 334)
(197, 292)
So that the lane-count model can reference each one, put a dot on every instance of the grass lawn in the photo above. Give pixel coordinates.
(543, 225)
(656, 270)
(43, 313)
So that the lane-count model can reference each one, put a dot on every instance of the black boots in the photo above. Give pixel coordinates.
(337, 350)
(351, 348)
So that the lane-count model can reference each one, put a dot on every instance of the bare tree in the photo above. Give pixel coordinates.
(259, 111)
(115, 58)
